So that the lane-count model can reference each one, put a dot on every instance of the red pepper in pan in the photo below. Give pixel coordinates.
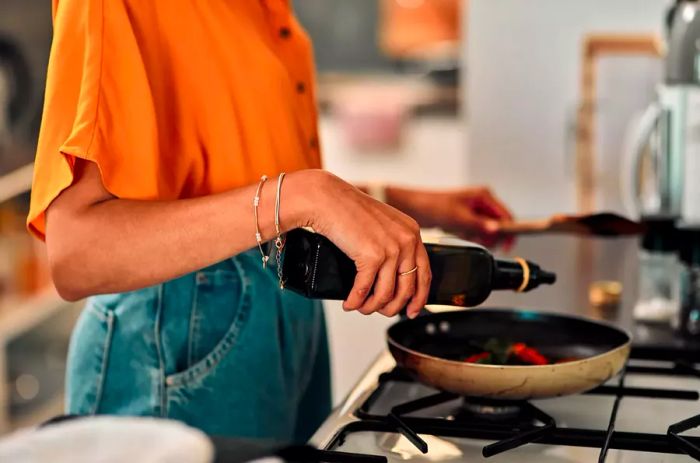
(503, 353)
(528, 355)
(478, 358)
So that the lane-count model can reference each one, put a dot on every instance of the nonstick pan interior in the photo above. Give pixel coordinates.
(454, 335)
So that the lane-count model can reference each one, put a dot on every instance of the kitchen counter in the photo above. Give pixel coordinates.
(578, 262)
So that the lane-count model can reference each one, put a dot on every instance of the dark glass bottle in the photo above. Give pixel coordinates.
(464, 274)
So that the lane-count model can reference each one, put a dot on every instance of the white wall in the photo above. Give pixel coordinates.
(431, 154)
(522, 61)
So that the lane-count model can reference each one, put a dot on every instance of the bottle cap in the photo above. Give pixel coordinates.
(661, 234)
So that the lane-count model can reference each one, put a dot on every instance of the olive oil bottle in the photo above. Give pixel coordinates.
(464, 273)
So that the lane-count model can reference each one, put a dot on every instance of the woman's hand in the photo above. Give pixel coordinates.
(471, 213)
(382, 242)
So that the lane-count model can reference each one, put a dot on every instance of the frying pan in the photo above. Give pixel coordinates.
(432, 347)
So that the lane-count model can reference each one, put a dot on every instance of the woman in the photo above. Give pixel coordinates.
(160, 119)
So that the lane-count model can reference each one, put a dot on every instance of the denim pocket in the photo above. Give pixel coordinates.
(219, 311)
(88, 356)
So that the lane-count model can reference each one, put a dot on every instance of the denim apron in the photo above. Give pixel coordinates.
(222, 349)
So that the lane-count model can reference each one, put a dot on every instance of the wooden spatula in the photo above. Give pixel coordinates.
(602, 224)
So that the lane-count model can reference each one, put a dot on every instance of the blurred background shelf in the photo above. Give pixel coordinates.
(35, 323)
(16, 183)
(34, 336)
(17, 315)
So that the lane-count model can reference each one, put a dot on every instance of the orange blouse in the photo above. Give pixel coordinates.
(174, 99)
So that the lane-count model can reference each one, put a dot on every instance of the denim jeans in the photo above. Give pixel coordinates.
(222, 349)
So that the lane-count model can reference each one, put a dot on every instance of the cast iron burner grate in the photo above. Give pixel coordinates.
(527, 414)
(531, 424)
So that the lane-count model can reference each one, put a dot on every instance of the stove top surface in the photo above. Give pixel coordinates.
(642, 404)
(398, 449)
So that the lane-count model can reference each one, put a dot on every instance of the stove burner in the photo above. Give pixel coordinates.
(527, 414)
(511, 424)
(492, 410)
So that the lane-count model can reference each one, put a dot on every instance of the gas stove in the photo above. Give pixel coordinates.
(648, 413)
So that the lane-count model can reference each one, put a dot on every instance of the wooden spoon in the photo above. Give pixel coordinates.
(602, 224)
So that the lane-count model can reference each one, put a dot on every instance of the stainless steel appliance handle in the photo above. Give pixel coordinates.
(661, 156)
(632, 166)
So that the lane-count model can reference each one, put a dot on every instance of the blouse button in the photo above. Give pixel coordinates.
(285, 32)
(301, 87)
(314, 143)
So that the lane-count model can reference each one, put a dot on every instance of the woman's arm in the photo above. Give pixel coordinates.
(101, 244)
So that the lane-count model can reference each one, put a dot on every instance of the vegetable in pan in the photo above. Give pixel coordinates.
(498, 352)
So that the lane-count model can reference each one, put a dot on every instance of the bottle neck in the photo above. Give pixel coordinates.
(519, 275)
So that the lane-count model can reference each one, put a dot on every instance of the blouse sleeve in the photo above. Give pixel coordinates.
(98, 107)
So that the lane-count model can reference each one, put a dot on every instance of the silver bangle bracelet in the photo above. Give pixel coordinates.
(279, 241)
(258, 235)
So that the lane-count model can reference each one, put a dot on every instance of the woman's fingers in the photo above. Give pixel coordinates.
(422, 281)
(407, 236)
(396, 280)
(384, 286)
(405, 288)
(364, 280)
(412, 271)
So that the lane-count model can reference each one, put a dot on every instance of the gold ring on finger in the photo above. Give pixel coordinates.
(401, 274)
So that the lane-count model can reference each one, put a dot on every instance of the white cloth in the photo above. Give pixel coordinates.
(109, 439)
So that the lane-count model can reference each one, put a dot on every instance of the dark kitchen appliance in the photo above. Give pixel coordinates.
(464, 274)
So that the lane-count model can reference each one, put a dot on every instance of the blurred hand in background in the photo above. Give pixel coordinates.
(474, 213)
